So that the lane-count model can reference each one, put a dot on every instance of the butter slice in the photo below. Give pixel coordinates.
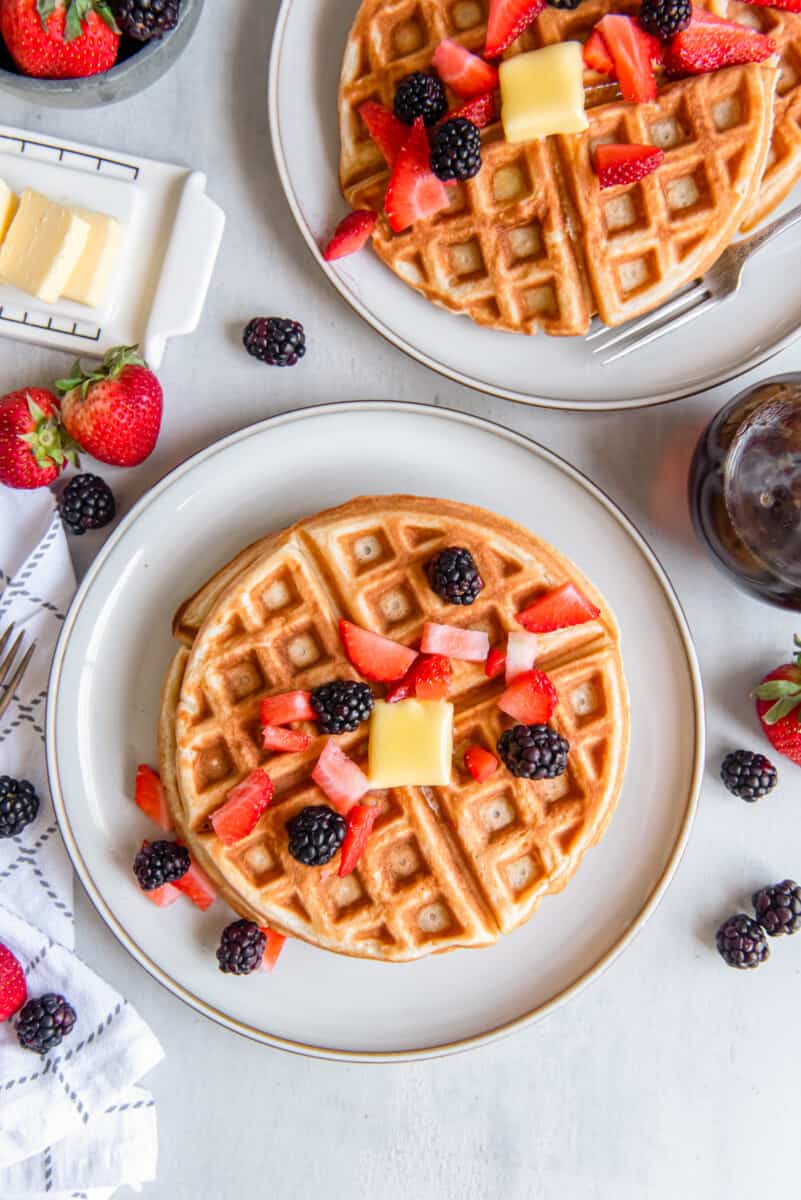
(89, 281)
(542, 92)
(411, 743)
(42, 247)
(8, 208)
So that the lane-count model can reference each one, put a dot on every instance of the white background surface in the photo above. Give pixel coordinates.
(671, 1076)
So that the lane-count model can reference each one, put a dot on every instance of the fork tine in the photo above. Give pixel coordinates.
(673, 323)
(5, 666)
(643, 323)
(5, 636)
(16, 678)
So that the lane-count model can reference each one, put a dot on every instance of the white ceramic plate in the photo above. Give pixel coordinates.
(116, 644)
(555, 372)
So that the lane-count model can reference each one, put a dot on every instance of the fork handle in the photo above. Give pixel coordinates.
(750, 245)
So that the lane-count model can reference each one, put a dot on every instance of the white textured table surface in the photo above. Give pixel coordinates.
(669, 1077)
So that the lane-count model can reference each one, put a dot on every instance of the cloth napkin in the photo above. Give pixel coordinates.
(73, 1123)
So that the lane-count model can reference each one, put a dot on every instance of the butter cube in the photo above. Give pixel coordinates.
(8, 207)
(542, 92)
(89, 281)
(42, 247)
(411, 743)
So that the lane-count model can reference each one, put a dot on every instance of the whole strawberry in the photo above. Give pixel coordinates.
(13, 991)
(114, 413)
(33, 447)
(60, 39)
(778, 705)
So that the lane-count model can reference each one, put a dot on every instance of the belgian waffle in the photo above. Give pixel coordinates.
(444, 867)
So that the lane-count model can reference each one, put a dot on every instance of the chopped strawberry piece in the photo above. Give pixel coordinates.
(428, 678)
(481, 110)
(384, 128)
(507, 20)
(597, 56)
(351, 234)
(339, 777)
(521, 654)
(558, 609)
(375, 657)
(786, 5)
(631, 49)
(531, 699)
(480, 763)
(198, 887)
(360, 825)
(149, 796)
(468, 645)
(617, 165)
(286, 708)
(414, 192)
(244, 805)
(273, 946)
(710, 42)
(164, 896)
(496, 663)
(465, 73)
(13, 988)
(286, 741)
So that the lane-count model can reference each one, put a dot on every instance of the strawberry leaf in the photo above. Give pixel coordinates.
(45, 10)
(774, 689)
(782, 708)
(106, 15)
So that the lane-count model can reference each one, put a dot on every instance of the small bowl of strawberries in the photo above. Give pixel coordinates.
(86, 53)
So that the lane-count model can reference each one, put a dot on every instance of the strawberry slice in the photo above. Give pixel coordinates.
(198, 887)
(244, 805)
(164, 896)
(13, 988)
(414, 192)
(339, 777)
(384, 128)
(481, 110)
(376, 658)
(786, 5)
(507, 20)
(558, 609)
(468, 645)
(273, 945)
(521, 654)
(480, 763)
(496, 663)
(618, 165)
(284, 741)
(631, 49)
(286, 708)
(596, 54)
(360, 825)
(149, 796)
(465, 73)
(710, 42)
(531, 699)
(428, 678)
(351, 234)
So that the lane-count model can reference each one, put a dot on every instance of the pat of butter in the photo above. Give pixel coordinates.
(542, 92)
(411, 743)
(89, 281)
(42, 247)
(8, 208)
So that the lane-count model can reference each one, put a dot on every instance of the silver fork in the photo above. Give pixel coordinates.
(10, 681)
(721, 281)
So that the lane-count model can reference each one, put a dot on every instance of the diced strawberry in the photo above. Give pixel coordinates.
(339, 777)
(786, 5)
(468, 645)
(244, 805)
(617, 165)
(597, 56)
(496, 663)
(414, 192)
(465, 73)
(375, 657)
(351, 234)
(507, 20)
(360, 825)
(428, 678)
(286, 708)
(480, 763)
(285, 741)
(521, 654)
(164, 896)
(531, 699)
(149, 796)
(710, 42)
(13, 988)
(272, 948)
(198, 887)
(384, 128)
(558, 609)
(481, 110)
(631, 49)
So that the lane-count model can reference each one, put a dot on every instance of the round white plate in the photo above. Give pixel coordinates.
(554, 372)
(116, 644)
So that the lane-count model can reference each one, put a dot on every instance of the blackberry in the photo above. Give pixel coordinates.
(160, 863)
(276, 341)
(742, 943)
(341, 706)
(146, 19)
(665, 18)
(778, 908)
(454, 576)
(456, 150)
(241, 948)
(87, 502)
(19, 805)
(747, 775)
(42, 1024)
(315, 835)
(420, 95)
(534, 751)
